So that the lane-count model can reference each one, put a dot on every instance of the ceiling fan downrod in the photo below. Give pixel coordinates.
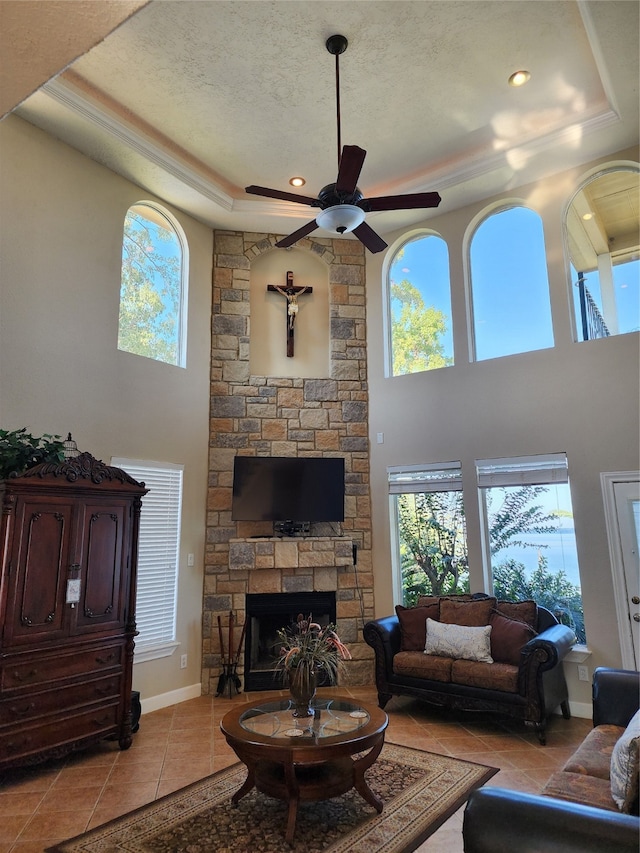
(336, 45)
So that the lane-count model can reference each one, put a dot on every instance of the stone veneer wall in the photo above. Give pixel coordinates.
(275, 416)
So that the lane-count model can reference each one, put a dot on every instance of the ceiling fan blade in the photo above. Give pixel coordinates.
(350, 167)
(373, 242)
(297, 235)
(400, 202)
(284, 196)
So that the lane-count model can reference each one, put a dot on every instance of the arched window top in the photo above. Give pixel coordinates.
(602, 245)
(419, 305)
(510, 302)
(153, 285)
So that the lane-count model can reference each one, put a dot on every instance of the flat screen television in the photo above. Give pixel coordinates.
(285, 488)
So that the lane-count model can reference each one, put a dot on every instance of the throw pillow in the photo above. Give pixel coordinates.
(413, 626)
(471, 613)
(624, 766)
(508, 636)
(458, 641)
(523, 611)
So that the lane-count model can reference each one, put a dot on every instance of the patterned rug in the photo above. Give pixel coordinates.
(420, 791)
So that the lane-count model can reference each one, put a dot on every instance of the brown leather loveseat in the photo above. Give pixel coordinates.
(516, 672)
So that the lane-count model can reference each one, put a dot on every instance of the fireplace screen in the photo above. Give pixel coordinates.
(265, 615)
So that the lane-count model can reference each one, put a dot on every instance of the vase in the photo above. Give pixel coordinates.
(303, 681)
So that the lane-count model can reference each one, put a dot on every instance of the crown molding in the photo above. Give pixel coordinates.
(449, 174)
(95, 113)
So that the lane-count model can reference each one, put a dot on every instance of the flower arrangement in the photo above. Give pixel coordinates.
(307, 645)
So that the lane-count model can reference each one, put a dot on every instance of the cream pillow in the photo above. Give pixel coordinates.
(624, 766)
(458, 641)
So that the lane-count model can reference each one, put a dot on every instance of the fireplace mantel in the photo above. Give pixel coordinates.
(307, 552)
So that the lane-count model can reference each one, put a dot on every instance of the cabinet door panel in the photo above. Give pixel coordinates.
(39, 564)
(103, 573)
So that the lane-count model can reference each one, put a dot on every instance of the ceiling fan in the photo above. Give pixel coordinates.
(342, 205)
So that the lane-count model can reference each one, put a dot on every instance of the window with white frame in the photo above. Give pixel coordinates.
(510, 300)
(419, 307)
(153, 285)
(158, 555)
(529, 534)
(428, 530)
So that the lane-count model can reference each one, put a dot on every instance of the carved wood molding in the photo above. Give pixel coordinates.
(82, 467)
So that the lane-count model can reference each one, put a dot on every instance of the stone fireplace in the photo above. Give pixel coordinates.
(288, 416)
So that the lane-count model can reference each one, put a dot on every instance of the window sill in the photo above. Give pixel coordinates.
(578, 654)
(160, 650)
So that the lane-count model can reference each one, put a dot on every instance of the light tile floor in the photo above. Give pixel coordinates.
(175, 746)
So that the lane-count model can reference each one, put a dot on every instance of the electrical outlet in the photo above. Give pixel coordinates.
(183, 662)
(583, 673)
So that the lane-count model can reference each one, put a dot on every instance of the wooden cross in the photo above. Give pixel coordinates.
(291, 293)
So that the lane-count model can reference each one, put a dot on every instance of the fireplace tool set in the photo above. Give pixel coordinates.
(229, 679)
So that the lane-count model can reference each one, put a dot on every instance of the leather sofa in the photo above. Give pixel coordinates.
(527, 686)
(497, 820)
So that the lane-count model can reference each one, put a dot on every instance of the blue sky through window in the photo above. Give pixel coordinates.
(511, 303)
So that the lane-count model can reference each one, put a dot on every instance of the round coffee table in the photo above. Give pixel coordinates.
(306, 759)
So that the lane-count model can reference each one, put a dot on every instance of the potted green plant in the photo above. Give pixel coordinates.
(20, 450)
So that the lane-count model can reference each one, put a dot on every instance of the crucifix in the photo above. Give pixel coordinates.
(291, 293)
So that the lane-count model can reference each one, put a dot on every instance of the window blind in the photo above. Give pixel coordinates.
(523, 470)
(158, 550)
(413, 479)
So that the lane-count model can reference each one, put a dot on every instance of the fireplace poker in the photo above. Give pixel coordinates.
(223, 678)
(236, 677)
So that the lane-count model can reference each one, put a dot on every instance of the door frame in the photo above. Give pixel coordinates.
(608, 481)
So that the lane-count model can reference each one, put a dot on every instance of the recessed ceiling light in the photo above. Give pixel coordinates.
(587, 216)
(519, 78)
(297, 182)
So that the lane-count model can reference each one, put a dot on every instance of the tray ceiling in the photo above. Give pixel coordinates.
(195, 100)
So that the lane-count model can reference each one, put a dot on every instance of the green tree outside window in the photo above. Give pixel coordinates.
(151, 286)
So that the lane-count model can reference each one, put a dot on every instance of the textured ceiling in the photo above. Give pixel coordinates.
(195, 100)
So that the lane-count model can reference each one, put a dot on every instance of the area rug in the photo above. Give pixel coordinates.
(420, 791)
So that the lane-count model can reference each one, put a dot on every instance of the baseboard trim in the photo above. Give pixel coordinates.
(173, 697)
(581, 709)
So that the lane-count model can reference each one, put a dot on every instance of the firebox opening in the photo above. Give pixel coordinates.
(266, 614)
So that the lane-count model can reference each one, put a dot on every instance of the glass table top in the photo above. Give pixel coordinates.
(331, 717)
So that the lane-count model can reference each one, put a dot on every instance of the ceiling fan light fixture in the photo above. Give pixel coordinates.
(340, 218)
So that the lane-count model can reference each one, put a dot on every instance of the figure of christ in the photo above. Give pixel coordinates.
(291, 294)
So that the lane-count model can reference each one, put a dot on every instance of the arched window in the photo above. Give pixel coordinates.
(509, 285)
(153, 290)
(602, 244)
(419, 306)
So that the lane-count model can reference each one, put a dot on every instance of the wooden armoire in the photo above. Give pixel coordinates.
(69, 536)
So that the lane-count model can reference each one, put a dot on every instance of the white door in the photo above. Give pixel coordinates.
(622, 510)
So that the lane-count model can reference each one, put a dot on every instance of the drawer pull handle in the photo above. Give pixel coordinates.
(106, 659)
(21, 712)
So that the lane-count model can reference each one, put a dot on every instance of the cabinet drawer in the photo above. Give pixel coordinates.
(28, 707)
(34, 671)
(25, 740)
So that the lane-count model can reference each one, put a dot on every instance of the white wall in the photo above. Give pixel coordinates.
(61, 220)
(577, 398)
